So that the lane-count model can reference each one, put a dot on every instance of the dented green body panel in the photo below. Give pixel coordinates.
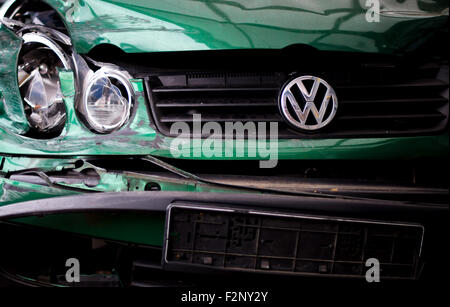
(182, 25)
(11, 106)
(128, 227)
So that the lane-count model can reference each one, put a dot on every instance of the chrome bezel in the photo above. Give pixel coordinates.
(5, 7)
(123, 78)
(33, 37)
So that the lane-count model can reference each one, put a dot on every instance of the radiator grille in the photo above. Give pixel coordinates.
(374, 100)
(290, 244)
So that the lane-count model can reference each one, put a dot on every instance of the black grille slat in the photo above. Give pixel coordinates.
(428, 83)
(220, 118)
(213, 104)
(213, 89)
(397, 116)
(437, 100)
(376, 99)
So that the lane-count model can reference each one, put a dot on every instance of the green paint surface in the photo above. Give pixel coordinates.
(12, 192)
(181, 25)
(128, 227)
(141, 228)
(12, 114)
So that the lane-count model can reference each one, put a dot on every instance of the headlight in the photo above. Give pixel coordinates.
(39, 61)
(107, 100)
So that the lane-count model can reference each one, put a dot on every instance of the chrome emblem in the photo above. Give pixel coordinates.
(298, 104)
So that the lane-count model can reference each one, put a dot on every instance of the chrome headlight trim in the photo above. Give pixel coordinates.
(121, 76)
(5, 7)
(33, 37)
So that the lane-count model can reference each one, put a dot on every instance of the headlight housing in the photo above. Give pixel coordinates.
(38, 78)
(107, 100)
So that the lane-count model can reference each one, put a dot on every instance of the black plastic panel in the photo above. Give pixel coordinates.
(305, 245)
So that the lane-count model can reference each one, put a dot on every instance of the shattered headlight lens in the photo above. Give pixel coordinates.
(39, 62)
(107, 100)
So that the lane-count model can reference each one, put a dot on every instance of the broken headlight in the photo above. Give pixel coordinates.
(40, 60)
(107, 100)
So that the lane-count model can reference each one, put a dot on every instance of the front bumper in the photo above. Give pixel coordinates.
(154, 206)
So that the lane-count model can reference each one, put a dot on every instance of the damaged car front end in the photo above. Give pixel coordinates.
(104, 158)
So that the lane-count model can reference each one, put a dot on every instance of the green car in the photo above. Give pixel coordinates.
(167, 143)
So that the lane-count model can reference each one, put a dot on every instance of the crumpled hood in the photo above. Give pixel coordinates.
(174, 25)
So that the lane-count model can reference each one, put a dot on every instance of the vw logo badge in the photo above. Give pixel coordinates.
(308, 103)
